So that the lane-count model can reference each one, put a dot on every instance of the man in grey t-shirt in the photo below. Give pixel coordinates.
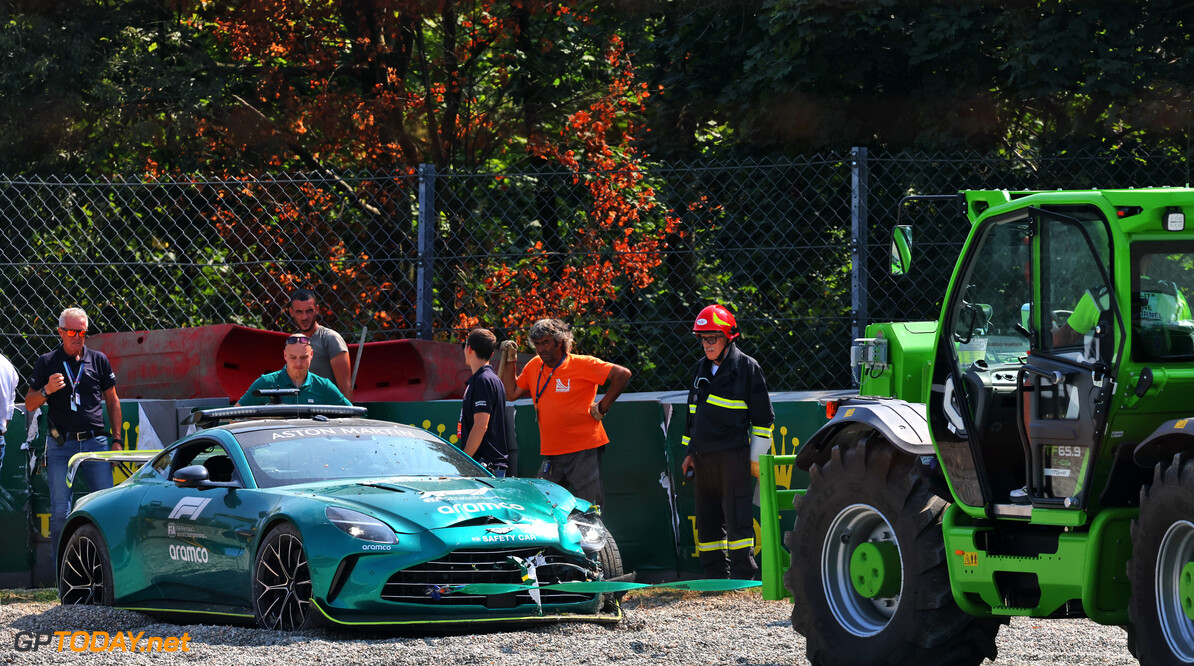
(331, 354)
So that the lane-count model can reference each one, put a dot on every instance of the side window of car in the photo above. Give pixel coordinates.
(194, 453)
(161, 464)
(211, 455)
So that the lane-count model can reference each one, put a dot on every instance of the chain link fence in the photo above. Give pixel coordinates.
(797, 247)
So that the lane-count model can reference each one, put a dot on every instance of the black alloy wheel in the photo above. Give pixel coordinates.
(282, 582)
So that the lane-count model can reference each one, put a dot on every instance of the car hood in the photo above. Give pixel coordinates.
(414, 504)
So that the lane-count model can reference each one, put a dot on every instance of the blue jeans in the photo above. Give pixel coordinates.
(97, 476)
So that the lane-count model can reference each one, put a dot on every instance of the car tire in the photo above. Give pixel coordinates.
(611, 567)
(85, 574)
(1161, 577)
(282, 590)
(870, 495)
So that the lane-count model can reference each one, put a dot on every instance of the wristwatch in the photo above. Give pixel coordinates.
(117, 440)
(44, 394)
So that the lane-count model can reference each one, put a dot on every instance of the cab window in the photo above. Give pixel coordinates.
(1162, 279)
(1075, 295)
(996, 298)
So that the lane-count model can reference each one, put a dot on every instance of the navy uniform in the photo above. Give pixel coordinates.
(728, 407)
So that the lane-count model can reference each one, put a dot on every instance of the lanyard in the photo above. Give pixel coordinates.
(539, 391)
(74, 380)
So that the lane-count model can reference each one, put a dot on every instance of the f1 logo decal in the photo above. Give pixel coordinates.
(189, 507)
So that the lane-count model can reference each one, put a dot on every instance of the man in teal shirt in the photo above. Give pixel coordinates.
(313, 389)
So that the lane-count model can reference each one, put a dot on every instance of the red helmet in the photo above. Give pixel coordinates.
(716, 318)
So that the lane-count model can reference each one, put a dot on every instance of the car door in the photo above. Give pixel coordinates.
(197, 541)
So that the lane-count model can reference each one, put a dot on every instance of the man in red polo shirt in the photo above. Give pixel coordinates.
(563, 388)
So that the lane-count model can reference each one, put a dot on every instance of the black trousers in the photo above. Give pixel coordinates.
(579, 472)
(724, 493)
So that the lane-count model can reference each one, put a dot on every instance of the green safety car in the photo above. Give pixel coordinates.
(315, 515)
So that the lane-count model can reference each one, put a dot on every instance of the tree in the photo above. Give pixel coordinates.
(795, 76)
(605, 248)
(386, 85)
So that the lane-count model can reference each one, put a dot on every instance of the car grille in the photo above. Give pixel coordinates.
(418, 584)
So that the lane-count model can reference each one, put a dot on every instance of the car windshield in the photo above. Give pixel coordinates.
(301, 454)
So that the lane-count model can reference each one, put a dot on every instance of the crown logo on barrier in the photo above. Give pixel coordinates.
(783, 473)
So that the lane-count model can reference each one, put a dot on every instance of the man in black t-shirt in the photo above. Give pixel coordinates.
(72, 381)
(482, 429)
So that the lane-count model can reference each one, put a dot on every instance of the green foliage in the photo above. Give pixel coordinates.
(95, 88)
(803, 75)
(39, 595)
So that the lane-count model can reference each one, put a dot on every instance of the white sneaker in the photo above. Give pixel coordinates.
(1020, 496)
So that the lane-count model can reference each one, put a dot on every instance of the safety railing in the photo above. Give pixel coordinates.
(775, 558)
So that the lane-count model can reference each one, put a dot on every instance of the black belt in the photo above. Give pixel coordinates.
(82, 436)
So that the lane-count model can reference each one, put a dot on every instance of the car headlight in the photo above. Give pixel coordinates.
(358, 525)
(592, 530)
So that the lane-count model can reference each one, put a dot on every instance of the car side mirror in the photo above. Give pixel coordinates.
(901, 250)
(198, 477)
(191, 476)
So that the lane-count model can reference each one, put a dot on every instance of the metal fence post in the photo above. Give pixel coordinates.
(426, 268)
(858, 240)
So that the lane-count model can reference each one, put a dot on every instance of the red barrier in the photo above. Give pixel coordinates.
(223, 360)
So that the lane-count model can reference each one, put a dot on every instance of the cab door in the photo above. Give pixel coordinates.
(1068, 379)
(983, 343)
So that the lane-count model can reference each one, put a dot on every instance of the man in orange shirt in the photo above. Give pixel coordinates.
(563, 388)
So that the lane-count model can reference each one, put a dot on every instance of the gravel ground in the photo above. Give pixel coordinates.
(659, 627)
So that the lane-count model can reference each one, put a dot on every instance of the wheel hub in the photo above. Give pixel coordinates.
(1174, 589)
(875, 569)
(861, 548)
(1185, 589)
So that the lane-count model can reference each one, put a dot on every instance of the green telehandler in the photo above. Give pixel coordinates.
(1030, 453)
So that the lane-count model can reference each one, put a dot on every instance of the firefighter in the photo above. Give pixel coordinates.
(729, 424)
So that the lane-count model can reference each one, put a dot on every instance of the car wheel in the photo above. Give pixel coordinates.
(869, 579)
(611, 567)
(282, 582)
(85, 575)
(1161, 570)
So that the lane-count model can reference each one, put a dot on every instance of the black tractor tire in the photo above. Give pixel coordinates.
(1162, 547)
(1131, 639)
(611, 567)
(869, 492)
(282, 582)
(85, 573)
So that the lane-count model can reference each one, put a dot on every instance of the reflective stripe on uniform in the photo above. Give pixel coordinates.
(685, 440)
(762, 431)
(692, 409)
(704, 547)
(742, 543)
(726, 402)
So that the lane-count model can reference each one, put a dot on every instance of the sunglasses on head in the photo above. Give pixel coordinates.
(72, 333)
(298, 340)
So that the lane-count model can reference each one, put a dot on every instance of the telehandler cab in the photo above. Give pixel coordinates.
(1030, 453)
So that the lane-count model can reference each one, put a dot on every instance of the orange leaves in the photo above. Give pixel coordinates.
(607, 249)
